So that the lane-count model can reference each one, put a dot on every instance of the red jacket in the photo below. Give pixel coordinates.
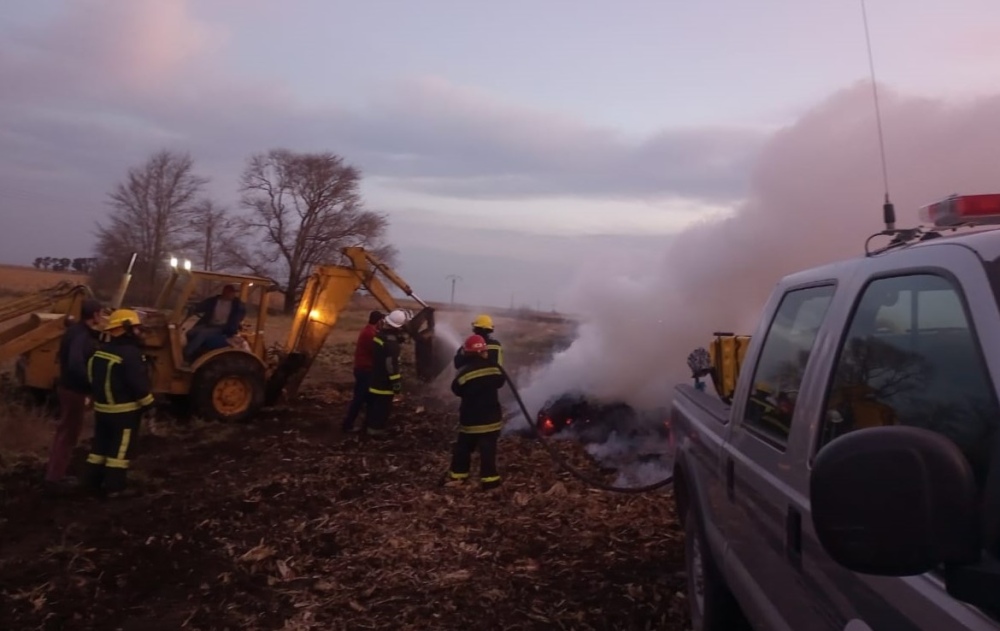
(364, 358)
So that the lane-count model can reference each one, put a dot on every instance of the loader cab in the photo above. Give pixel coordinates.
(226, 379)
(185, 289)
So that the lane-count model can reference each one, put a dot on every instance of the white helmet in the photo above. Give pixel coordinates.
(396, 319)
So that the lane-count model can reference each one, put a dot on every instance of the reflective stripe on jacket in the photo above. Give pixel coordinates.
(478, 384)
(385, 365)
(118, 378)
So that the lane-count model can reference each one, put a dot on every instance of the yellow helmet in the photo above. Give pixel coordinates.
(121, 317)
(483, 321)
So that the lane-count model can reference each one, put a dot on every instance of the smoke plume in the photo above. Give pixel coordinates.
(815, 195)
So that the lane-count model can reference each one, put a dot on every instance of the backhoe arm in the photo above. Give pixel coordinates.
(367, 264)
(46, 322)
(328, 292)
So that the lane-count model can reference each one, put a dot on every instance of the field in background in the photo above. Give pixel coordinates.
(284, 523)
(18, 279)
(26, 431)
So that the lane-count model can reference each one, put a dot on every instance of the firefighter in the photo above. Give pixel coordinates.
(483, 327)
(480, 416)
(386, 380)
(120, 390)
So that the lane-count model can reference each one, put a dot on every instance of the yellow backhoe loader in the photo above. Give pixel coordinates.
(231, 383)
(30, 329)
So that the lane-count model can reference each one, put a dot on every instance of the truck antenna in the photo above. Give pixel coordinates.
(888, 210)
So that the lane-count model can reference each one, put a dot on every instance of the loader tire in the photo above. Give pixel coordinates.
(229, 388)
(713, 606)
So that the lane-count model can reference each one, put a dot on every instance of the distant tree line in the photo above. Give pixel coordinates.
(63, 264)
(295, 210)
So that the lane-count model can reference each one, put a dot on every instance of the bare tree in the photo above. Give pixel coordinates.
(212, 226)
(303, 208)
(151, 213)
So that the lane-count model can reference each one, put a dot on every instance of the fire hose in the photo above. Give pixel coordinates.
(566, 466)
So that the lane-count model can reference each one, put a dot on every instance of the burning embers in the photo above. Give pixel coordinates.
(634, 443)
(592, 421)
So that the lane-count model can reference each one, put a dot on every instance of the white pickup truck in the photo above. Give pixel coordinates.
(849, 480)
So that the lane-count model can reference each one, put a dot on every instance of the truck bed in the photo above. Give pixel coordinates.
(707, 406)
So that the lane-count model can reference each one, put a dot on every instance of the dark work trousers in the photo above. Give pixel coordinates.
(461, 457)
(71, 409)
(361, 380)
(112, 450)
(377, 416)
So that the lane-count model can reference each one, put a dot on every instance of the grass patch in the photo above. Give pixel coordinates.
(26, 430)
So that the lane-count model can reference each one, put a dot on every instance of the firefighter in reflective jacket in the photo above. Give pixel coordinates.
(120, 390)
(480, 416)
(483, 327)
(386, 380)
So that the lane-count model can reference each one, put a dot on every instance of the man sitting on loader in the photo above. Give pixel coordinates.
(220, 320)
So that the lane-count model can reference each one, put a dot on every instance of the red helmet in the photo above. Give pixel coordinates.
(474, 344)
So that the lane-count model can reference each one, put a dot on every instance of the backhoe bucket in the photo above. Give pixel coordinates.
(431, 358)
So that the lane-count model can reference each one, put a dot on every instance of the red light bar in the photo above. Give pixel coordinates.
(963, 209)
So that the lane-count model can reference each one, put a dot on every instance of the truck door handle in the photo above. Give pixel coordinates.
(793, 536)
(730, 477)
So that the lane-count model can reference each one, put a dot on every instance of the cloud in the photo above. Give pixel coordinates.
(99, 46)
(815, 196)
(150, 65)
(461, 142)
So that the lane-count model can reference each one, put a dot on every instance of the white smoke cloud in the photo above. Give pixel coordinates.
(815, 196)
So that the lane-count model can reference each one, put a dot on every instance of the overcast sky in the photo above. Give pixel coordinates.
(511, 143)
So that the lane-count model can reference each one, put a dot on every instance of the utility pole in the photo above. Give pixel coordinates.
(453, 278)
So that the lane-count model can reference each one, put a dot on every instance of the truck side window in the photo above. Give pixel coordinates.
(782, 362)
(911, 356)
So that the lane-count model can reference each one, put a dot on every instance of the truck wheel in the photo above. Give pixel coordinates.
(713, 606)
(229, 388)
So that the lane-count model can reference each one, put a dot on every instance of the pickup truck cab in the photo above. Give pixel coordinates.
(851, 481)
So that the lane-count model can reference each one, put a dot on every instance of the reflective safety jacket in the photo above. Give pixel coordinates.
(385, 379)
(478, 383)
(493, 348)
(119, 381)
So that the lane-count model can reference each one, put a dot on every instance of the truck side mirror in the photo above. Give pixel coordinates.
(895, 501)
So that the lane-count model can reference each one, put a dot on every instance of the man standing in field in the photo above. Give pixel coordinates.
(480, 417)
(122, 396)
(386, 380)
(78, 343)
(364, 359)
